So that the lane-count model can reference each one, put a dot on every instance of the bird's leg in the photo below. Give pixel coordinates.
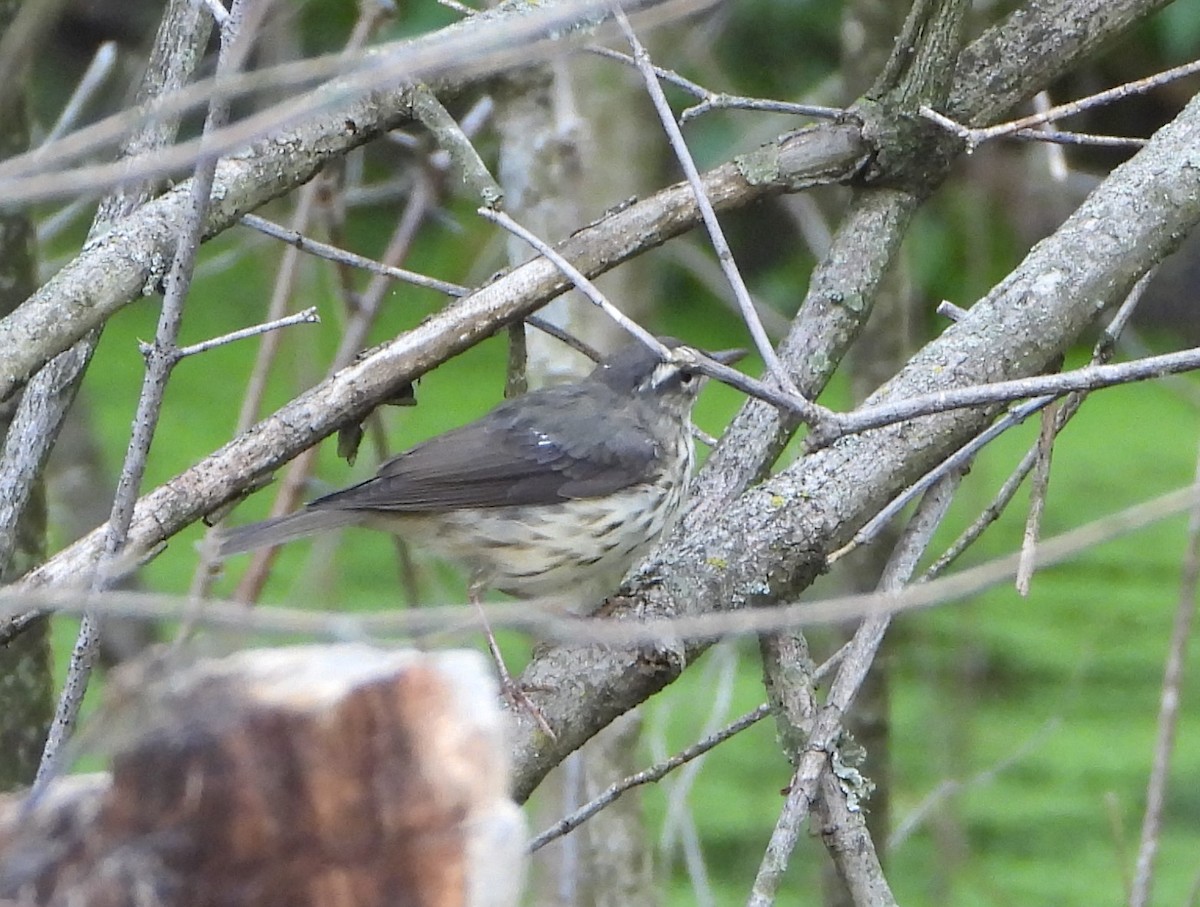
(510, 689)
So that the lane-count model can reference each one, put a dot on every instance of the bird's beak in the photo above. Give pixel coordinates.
(728, 357)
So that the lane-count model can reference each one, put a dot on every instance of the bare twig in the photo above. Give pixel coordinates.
(950, 311)
(43, 406)
(161, 359)
(354, 336)
(807, 412)
(650, 775)
(796, 404)
(553, 330)
(513, 36)
(762, 342)
(219, 13)
(1168, 714)
(455, 143)
(679, 831)
(585, 286)
(975, 137)
(1037, 497)
(352, 259)
(1053, 137)
(1056, 159)
(22, 39)
(1091, 377)
(34, 429)
(308, 316)
(369, 17)
(1116, 826)
(722, 101)
(1101, 353)
(719, 100)
(990, 514)
(958, 460)
(53, 225)
(813, 756)
(90, 82)
(953, 786)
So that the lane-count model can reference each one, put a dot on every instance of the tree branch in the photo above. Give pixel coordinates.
(771, 542)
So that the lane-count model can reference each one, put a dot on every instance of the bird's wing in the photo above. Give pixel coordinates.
(518, 454)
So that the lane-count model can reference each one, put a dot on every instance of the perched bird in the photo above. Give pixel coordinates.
(558, 492)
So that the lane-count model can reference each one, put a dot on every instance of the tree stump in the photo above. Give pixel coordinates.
(321, 775)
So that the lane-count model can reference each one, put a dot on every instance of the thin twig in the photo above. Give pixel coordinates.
(716, 236)
(1090, 377)
(585, 286)
(93, 78)
(718, 100)
(1103, 351)
(975, 137)
(647, 776)
(24, 36)
(990, 514)
(667, 75)
(308, 316)
(812, 414)
(1056, 158)
(952, 786)
(960, 459)
(352, 259)
(678, 824)
(1116, 827)
(553, 330)
(950, 311)
(516, 371)
(796, 404)
(819, 744)
(43, 405)
(454, 142)
(537, 33)
(1168, 714)
(49, 228)
(159, 363)
(1058, 137)
(1037, 497)
(354, 336)
(369, 19)
(219, 13)
(721, 101)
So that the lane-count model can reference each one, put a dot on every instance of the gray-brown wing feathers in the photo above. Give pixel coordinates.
(515, 455)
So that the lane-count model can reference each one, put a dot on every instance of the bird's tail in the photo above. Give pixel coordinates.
(283, 529)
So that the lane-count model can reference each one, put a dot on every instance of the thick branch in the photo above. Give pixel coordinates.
(1037, 43)
(772, 541)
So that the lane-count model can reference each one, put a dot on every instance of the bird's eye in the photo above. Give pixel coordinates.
(686, 378)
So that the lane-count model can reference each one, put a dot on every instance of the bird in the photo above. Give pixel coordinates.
(556, 492)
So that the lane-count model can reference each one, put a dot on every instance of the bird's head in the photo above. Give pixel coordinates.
(638, 371)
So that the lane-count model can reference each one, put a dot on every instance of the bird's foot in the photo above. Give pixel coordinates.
(517, 698)
(509, 688)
